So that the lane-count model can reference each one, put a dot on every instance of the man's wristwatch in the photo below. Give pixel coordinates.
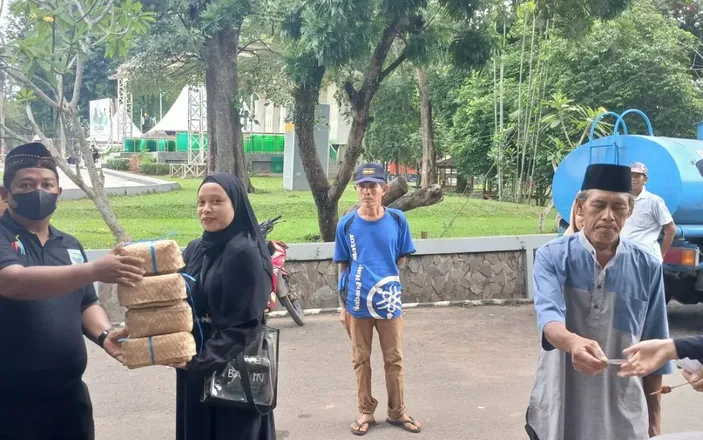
(102, 337)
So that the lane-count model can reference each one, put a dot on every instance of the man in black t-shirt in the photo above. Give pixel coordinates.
(47, 304)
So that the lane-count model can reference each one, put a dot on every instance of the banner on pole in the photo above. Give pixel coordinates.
(100, 119)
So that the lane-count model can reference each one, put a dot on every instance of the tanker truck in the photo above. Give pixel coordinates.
(675, 174)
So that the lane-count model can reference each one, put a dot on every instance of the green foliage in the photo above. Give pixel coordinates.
(574, 17)
(154, 215)
(394, 133)
(53, 35)
(117, 164)
(144, 158)
(219, 14)
(55, 48)
(154, 169)
(337, 30)
(639, 60)
(473, 126)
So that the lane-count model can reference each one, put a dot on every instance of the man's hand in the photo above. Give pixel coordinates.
(696, 380)
(115, 268)
(343, 319)
(587, 356)
(181, 366)
(113, 346)
(646, 357)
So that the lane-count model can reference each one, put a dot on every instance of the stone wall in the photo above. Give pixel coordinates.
(456, 269)
(425, 278)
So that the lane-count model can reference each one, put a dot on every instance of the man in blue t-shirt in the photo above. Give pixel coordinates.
(371, 244)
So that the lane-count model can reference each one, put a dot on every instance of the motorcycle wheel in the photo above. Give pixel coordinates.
(294, 309)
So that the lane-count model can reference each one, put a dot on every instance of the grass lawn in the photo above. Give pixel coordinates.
(154, 215)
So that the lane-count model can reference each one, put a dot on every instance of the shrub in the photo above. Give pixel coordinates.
(154, 169)
(118, 164)
(145, 158)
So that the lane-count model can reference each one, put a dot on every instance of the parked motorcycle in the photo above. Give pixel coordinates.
(281, 286)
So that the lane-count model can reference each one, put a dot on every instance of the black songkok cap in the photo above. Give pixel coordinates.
(608, 177)
(32, 155)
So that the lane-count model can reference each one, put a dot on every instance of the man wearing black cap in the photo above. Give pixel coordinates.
(371, 244)
(595, 296)
(47, 304)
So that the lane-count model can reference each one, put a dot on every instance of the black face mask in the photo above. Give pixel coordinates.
(35, 205)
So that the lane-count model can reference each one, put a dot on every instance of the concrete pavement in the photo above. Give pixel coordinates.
(468, 375)
(116, 183)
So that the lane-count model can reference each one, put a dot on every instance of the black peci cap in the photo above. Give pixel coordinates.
(32, 155)
(608, 177)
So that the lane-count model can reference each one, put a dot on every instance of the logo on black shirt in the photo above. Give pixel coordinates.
(17, 246)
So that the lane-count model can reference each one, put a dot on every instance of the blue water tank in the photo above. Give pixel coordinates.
(675, 171)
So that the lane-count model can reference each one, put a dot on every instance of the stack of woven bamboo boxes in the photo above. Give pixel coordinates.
(159, 319)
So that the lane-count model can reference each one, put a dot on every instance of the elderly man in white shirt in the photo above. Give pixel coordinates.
(649, 216)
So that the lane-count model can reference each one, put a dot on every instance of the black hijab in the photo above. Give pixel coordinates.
(235, 313)
(244, 223)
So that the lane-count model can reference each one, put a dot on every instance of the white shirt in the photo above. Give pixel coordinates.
(645, 224)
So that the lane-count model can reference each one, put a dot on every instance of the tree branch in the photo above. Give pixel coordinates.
(372, 79)
(73, 61)
(90, 10)
(79, 7)
(102, 15)
(394, 65)
(351, 93)
(375, 69)
(43, 82)
(258, 40)
(73, 105)
(19, 76)
(14, 135)
(60, 162)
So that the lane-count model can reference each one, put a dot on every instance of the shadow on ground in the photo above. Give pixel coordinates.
(468, 376)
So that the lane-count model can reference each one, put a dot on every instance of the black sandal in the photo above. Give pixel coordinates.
(402, 424)
(357, 427)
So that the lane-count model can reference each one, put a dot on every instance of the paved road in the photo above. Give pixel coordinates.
(111, 181)
(468, 376)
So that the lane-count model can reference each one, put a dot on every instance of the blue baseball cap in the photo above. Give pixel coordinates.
(370, 172)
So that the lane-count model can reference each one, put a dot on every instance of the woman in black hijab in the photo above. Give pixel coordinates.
(231, 266)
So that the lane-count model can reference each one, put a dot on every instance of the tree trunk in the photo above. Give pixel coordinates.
(211, 90)
(360, 101)
(225, 132)
(97, 179)
(543, 215)
(306, 96)
(461, 184)
(429, 154)
(426, 196)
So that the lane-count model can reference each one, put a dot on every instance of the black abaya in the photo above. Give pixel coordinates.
(236, 283)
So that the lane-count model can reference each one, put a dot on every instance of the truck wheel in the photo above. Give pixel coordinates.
(681, 289)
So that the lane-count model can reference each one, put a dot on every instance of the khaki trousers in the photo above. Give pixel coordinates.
(390, 335)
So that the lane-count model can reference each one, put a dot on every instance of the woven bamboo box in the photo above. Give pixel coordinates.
(158, 350)
(160, 257)
(155, 321)
(156, 291)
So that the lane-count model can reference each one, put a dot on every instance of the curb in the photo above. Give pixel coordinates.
(470, 303)
(141, 180)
